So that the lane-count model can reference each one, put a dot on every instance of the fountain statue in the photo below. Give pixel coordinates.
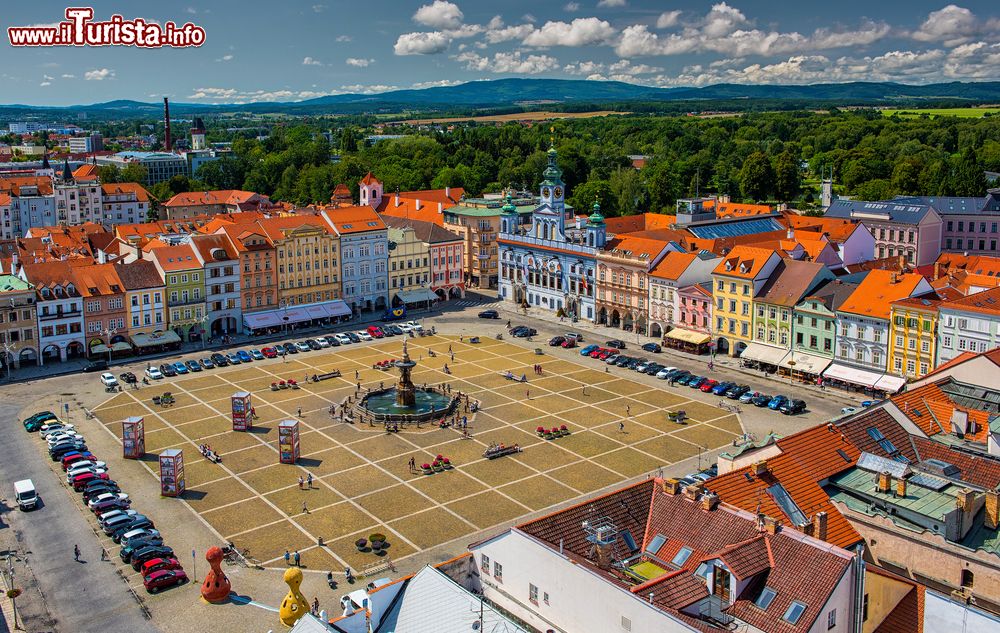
(405, 391)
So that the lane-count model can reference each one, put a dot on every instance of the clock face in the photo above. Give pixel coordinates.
(545, 192)
(559, 192)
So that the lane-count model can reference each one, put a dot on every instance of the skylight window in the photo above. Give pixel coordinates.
(794, 612)
(655, 544)
(841, 452)
(787, 505)
(702, 570)
(681, 556)
(886, 444)
(765, 598)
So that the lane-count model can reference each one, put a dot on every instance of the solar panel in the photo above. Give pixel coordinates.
(876, 464)
(734, 229)
(931, 483)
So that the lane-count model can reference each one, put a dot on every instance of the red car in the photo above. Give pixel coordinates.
(80, 481)
(708, 385)
(76, 458)
(156, 564)
(269, 352)
(163, 579)
(375, 331)
(597, 352)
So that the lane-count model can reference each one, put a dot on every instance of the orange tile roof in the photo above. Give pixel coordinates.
(837, 229)
(743, 261)
(636, 246)
(806, 458)
(97, 280)
(931, 409)
(736, 209)
(639, 222)
(673, 265)
(118, 188)
(985, 302)
(175, 258)
(874, 295)
(222, 196)
(274, 228)
(369, 179)
(908, 614)
(4, 199)
(428, 199)
(86, 172)
(14, 184)
(346, 220)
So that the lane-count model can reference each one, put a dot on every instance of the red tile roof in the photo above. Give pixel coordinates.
(119, 188)
(86, 172)
(673, 265)
(369, 179)
(985, 302)
(743, 261)
(174, 258)
(346, 220)
(428, 199)
(737, 209)
(931, 409)
(979, 470)
(639, 222)
(231, 197)
(874, 295)
(636, 246)
(908, 614)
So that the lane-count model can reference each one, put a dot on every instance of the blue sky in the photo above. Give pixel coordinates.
(260, 50)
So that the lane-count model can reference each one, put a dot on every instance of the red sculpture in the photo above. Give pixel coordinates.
(216, 586)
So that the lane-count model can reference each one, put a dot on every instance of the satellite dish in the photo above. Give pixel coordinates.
(476, 625)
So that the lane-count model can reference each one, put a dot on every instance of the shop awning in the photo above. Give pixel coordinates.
(416, 296)
(296, 314)
(890, 383)
(853, 375)
(689, 336)
(100, 348)
(151, 340)
(764, 353)
(122, 346)
(807, 363)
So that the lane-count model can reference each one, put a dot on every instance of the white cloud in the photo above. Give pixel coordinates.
(638, 41)
(440, 14)
(232, 95)
(513, 62)
(421, 43)
(368, 89)
(68, 76)
(344, 38)
(954, 25)
(359, 62)
(420, 85)
(610, 4)
(621, 69)
(668, 19)
(99, 74)
(191, 11)
(497, 31)
(579, 32)
(45, 83)
(225, 58)
(309, 61)
(868, 33)
(48, 77)
(319, 8)
(528, 17)
(465, 30)
(571, 7)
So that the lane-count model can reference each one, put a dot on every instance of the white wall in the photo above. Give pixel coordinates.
(943, 614)
(841, 600)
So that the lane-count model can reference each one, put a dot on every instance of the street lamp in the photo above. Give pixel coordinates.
(8, 353)
(204, 324)
(108, 332)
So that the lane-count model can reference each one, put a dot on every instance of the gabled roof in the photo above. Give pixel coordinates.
(897, 212)
(637, 247)
(86, 173)
(276, 229)
(833, 293)
(369, 179)
(206, 246)
(120, 188)
(789, 282)
(875, 294)
(230, 197)
(14, 185)
(836, 229)
(405, 204)
(985, 302)
(743, 261)
(908, 614)
(673, 265)
(747, 559)
(97, 280)
(639, 222)
(347, 220)
(736, 209)
(175, 258)
(139, 275)
(427, 232)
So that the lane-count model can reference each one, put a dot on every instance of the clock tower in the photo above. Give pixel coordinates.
(553, 191)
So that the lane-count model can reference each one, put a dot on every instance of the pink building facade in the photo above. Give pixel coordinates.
(693, 307)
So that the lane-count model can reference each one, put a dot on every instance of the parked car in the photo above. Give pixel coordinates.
(54, 427)
(870, 403)
(586, 351)
(58, 451)
(156, 564)
(167, 369)
(665, 372)
(141, 535)
(793, 407)
(556, 341)
(343, 339)
(219, 360)
(574, 335)
(97, 365)
(139, 543)
(696, 382)
(489, 314)
(849, 410)
(127, 377)
(721, 388)
(193, 365)
(55, 438)
(761, 400)
(109, 501)
(80, 468)
(734, 393)
(524, 332)
(109, 379)
(72, 459)
(570, 342)
(611, 358)
(354, 338)
(415, 326)
(207, 363)
(164, 579)
(143, 554)
(115, 518)
(748, 397)
(652, 369)
(180, 368)
(135, 524)
(256, 354)
(375, 331)
(154, 373)
(244, 356)
(709, 385)
(395, 329)
(363, 335)
(615, 343)
(97, 488)
(776, 402)
(233, 359)
(652, 347)
(80, 481)
(321, 341)
(269, 352)
(34, 423)
(405, 327)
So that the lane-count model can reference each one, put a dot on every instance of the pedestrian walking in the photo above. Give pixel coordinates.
(527, 394)
(305, 510)
(298, 559)
(104, 554)
(288, 558)
(298, 412)
(76, 553)
(585, 390)
(300, 482)
(357, 375)
(621, 427)
(309, 480)
(453, 357)
(315, 606)
(628, 410)
(449, 348)
(461, 338)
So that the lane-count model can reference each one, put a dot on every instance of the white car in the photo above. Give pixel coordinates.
(56, 427)
(104, 517)
(109, 500)
(343, 339)
(414, 325)
(58, 438)
(70, 474)
(154, 373)
(406, 327)
(83, 466)
(849, 410)
(139, 533)
(323, 342)
(302, 346)
(662, 374)
(109, 379)
(364, 336)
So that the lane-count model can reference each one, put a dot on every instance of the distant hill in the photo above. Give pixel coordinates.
(514, 92)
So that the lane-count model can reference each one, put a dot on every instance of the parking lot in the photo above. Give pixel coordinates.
(361, 480)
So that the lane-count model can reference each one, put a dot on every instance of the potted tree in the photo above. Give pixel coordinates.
(427, 469)
(563, 430)
(446, 463)
(361, 544)
(540, 431)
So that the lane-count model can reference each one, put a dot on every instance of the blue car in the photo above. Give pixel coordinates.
(722, 388)
(696, 382)
(180, 368)
(587, 350)
(256, 354)
(245, 356)
(776, 402)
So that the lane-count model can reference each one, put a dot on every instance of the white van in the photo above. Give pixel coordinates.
(24, 492)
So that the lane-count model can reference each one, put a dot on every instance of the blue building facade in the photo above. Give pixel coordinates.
(550, 264)
(364, 257)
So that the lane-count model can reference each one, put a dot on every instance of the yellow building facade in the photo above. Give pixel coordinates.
(913, 326)
(735, 283)
(308, 256)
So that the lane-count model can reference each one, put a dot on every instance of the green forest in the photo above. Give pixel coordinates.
(755, 157)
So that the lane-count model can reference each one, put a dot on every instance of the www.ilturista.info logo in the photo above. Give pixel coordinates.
(80, 29)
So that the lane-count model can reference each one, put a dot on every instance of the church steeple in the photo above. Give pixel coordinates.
(597, 231)
(553, 190)
(67, 174)
(508, 215)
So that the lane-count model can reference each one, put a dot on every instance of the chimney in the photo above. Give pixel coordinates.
(901, 488)
(819, 525)
(692, 491)
(893, 278)
(959, 422)
(671, 486)
(166, 124)
(937, 270)
(771, 525)
(964, 499)
(447, 192)
(440, 207)
(790, 234)
(709, 501)
(760, 468)
(396, 199)
(419, 205)
(992, 509)
(884, 481)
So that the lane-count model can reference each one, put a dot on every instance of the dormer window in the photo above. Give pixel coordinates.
(729, 265)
